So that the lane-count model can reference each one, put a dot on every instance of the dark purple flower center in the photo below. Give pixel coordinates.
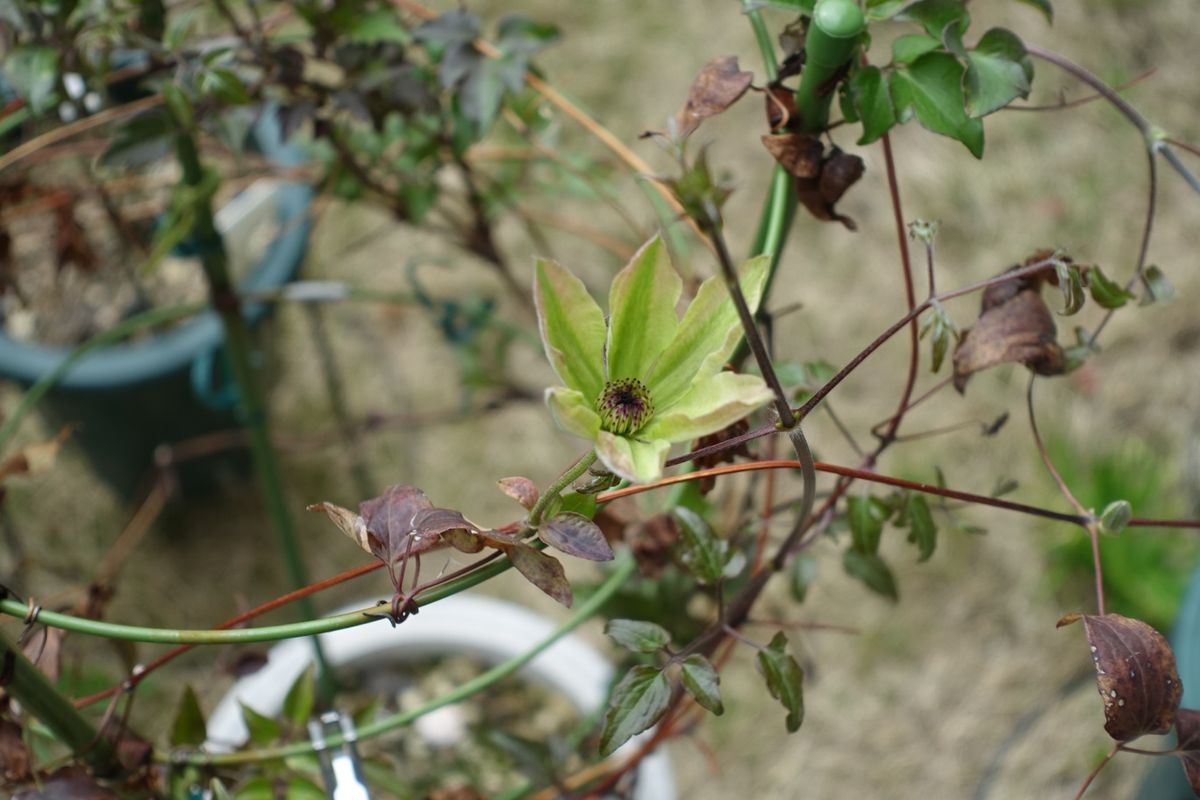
(624, 406)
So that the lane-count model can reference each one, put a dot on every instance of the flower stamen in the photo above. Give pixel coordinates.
(624, 406)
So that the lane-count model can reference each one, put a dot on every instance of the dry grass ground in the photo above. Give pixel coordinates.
(920, 701)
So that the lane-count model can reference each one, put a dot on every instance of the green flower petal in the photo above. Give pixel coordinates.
(572, 327)
(632, 459)
(708, 407)
(572, 412)
(708, 334)
(641, 304)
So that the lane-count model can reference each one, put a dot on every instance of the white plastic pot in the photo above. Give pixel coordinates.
(486, 628)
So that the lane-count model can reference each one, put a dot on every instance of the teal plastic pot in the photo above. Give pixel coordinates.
(128, 399)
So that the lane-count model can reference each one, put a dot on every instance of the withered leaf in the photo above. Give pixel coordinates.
(44, 649)
(781, 106)
(839, 173)
(720, 84)
(800, 154)
(1018, 329)
(543, 571)
(1135, 675)
(347, 522)
(14, 755)
(1187, 732)
(523, 490)
(36, 458)
(575, 535)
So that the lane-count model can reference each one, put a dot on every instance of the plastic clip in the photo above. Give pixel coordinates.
(340, 766)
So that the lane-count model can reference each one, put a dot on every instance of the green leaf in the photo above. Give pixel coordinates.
(943, 332)
(223, 85)
(637, 636)
(906, 49)
(1158, 288)
(1070, 282)
(868, 90)
(451, 27)
(785, 679)
(803, 575)
(866, 516)
(378, 25)
(188, 729)
(518, 33)
(263, 729)
(301, 788)
(256, 789)
(702, 682)
(142, 139)
(922, 530)
(931, 88)
(1115, 517)
(298, 704)
(33, 72)
(884, 9)
(1042, 6)
(708, 333)
(705, 554)
(572, 328)
(998, 72)
(638, 701)
(872, 571)
(641, 307)
(939, 16)
(1106, 292)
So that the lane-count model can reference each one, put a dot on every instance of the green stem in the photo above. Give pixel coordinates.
(147, 319)
(763, 37)
(833, 36)
(621, 572)
(566, 479)
(26, 683)
(269, 633)
(224, 299)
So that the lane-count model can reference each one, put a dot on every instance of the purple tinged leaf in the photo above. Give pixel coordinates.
(390, 518)
(576, 535)
(523, 490)
(543, 571)
(1135, 675)
(639, 701)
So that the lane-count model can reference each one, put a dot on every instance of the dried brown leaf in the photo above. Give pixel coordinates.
(653, 543)
(14, 755)
(800, 154)
(720, 84)
(463, 541)
(543, 571)
(1135, 675)
(37, 458)
(1019, 328)
(781, 106)
(44, 649)
(575, 535)
(347, 522)
(523, 490)
(839, 172)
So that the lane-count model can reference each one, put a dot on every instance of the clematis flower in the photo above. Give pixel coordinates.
(644, 378)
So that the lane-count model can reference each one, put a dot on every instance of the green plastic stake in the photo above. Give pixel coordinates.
(833, 37)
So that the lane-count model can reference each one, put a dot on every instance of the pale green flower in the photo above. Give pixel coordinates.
(645, 378)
